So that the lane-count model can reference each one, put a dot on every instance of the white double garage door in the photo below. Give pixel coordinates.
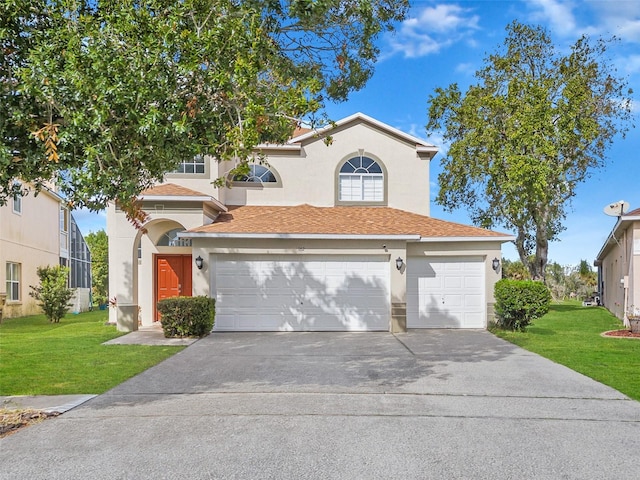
(343, 293)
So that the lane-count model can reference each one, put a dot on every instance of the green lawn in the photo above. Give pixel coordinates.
(41, 358)
(570, 335)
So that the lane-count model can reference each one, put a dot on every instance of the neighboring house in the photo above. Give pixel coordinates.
(618, 265)
(36, 231)
(318, 237)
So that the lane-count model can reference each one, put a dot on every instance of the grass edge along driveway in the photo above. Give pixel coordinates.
(570, 335)
(42, 358)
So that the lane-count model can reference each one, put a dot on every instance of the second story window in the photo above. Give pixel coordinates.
(257, 174)
(361, 179)
(195, 165)
(17, 204)
(64, 220)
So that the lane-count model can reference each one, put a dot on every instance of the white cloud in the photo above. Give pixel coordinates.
(596, 18)
(631, 64)
(416, 130)
(430, 30)
(621, 18)
(558, 14)
(465, 68)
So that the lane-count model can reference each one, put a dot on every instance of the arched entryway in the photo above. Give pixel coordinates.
(164, 264)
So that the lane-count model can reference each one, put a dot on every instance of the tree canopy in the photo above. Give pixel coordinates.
(535, 125)
(105, 97)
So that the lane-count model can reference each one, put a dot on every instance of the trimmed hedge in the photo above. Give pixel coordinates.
(187, 316)
(519, 302)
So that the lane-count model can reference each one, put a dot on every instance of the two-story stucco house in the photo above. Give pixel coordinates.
(38, 231)
(320, 237)
(618, 265)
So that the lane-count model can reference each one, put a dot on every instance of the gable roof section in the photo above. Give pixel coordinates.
(302, 134)
(176, 193)
(306, 221)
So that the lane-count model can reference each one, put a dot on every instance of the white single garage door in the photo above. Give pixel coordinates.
(446, 292)
(300, 292)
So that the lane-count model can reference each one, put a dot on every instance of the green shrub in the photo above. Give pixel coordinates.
(519, 302)
(53, 294)
(187, 316)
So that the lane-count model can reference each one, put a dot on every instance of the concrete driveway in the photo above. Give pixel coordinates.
(425, 404)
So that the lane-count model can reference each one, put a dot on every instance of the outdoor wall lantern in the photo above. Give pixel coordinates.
(199, 262)
(399, 263)
(495, 264)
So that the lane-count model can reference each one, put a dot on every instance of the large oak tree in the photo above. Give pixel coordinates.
(105, 97)
(535, 125)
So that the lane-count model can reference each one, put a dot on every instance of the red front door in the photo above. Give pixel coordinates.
(173, 277)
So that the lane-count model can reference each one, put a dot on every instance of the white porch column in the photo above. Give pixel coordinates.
(123, 271)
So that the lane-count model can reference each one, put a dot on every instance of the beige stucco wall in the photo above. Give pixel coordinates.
(622, 259)
(131, 280)
(310, 176)
(31, 239)
(199, 182)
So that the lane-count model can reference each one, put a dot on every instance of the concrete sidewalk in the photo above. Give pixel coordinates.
(425, 404)
(152, 335)
(46, 403)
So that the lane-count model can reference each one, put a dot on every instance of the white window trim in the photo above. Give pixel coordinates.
(12, 281)
(361, 176)
(16, 204)
(260, 183)
(197, 160)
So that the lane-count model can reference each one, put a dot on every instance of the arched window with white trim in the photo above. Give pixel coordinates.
(257, 174)
(361, 179)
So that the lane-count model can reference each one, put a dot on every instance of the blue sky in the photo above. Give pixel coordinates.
(442, 42)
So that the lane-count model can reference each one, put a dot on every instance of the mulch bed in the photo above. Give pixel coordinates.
(621, 334)
(13, 420)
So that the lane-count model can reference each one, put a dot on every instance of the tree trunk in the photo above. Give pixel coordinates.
(538, 266)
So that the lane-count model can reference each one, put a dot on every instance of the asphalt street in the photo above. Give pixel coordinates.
(424, 404)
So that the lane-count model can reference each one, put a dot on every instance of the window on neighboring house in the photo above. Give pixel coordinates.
(64, 219)
(361, 179)
(171, 239)
(13, 282)
(257, 174)
(17, 204)
(195, 165)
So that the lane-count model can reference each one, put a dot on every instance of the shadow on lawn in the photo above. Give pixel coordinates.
(541, 331)
(566, 308)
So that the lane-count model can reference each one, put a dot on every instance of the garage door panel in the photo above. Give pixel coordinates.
(453, 282)
(294, 292)
(473, 300)
(474, 282)
(445, 292)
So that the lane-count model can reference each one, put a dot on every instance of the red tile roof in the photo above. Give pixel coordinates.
(306, 219)
(171, 190)
(300, 131)
(633, 213)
